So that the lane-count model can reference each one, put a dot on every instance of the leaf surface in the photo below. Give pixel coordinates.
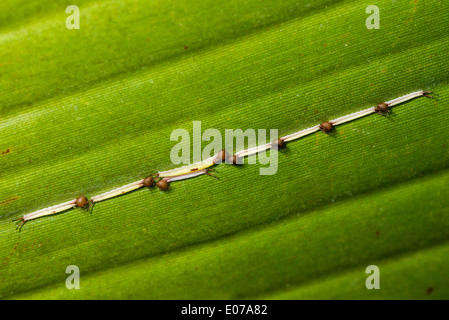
(85, 111)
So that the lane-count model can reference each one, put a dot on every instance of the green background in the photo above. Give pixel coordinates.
(85, 111)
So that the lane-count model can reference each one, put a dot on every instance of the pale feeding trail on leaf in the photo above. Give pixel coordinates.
(200, 168)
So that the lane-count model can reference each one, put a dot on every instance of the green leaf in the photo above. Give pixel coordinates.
(85, 111)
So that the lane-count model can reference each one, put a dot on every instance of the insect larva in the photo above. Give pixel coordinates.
(162, 184)
(409, 97)
(301, 133)
(148, 181)
(186, 169)
(119, 191)
(82, 202)
(382, 108)
(236, 160)
(352, 116)
(326, 127)
(189, 175)
(221, 156)
(251, 151)
(278, 144)
(78, 202)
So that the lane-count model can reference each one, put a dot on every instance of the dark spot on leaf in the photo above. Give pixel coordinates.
(8, 201)
(8, 257)
(6, 151)
(186, 47)
(429, 290)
